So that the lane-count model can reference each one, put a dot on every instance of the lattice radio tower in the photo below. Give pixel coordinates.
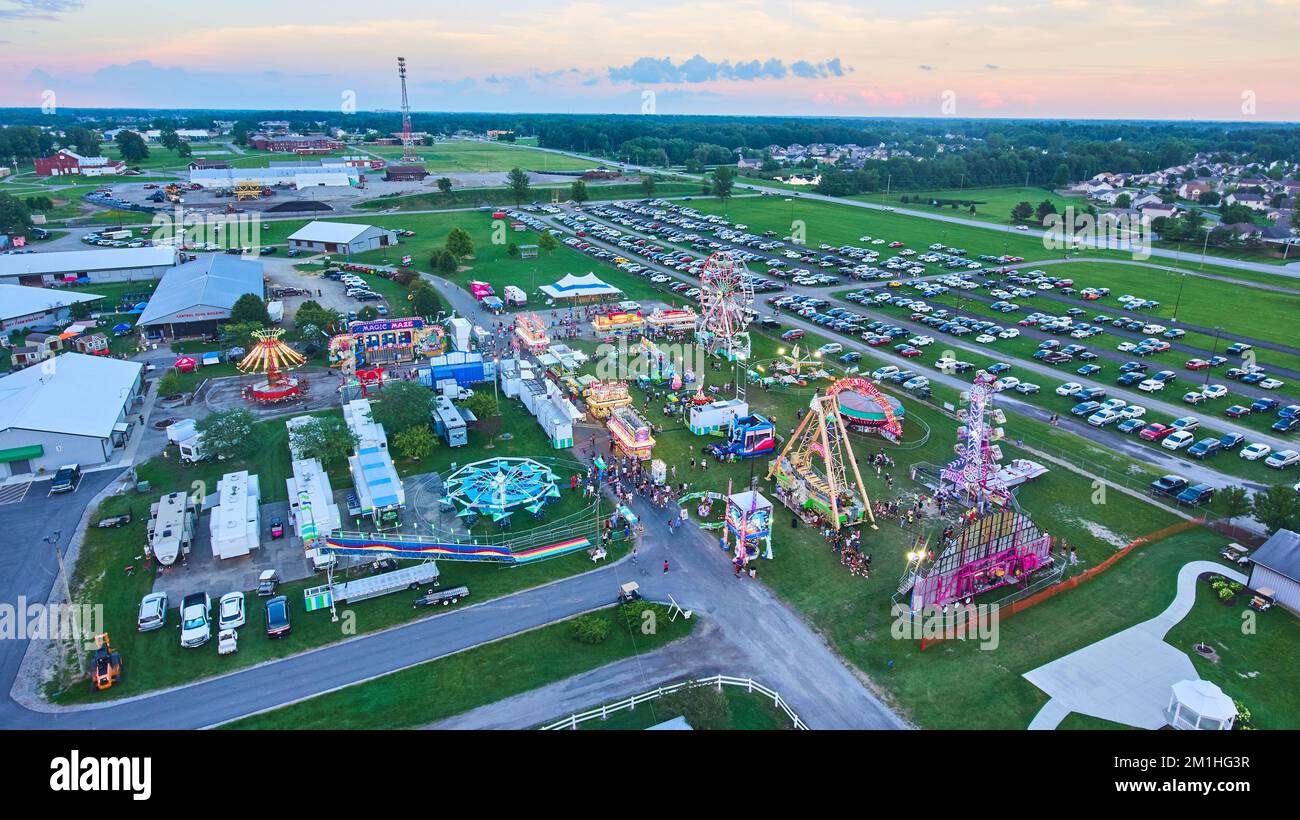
(408, 142)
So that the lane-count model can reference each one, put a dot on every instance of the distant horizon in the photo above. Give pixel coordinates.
(506, 113)
(1162, 61)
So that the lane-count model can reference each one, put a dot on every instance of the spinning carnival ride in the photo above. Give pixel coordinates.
(498, 487)
(271, 356)
(813, 468)
(974, 475)
(726, 306)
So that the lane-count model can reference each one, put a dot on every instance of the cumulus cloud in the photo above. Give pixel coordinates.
(699, 69)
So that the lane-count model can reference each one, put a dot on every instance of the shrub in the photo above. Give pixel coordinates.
(635, 617)
(1225, 593)
(589, 629)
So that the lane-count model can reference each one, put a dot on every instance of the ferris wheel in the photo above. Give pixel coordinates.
(726, 304)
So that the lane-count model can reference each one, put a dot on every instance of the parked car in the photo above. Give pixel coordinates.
(67, 478)
(230, 611)
(1256, 451)
(1282, 459)
(1205, 448)
(1168, 485)
(277, 617)
(1196, 495)
(1177, 440)
(153, 612)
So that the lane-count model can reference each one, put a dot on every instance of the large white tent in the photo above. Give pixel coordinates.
(580, 287)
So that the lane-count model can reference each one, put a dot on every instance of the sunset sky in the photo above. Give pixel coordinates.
(1185, 59)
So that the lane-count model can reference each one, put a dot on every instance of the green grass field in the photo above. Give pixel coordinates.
(991, 204)
(503, 197)
(470, 156)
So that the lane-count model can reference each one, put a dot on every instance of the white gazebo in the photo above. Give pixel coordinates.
(1199, 704)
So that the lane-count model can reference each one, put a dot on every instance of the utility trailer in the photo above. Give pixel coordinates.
(375, 585)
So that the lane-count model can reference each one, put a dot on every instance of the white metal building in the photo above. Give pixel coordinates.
(37, 308)
(236, 523)
(1275, 566)
(341, 237)
(106, 265)
(73, 408)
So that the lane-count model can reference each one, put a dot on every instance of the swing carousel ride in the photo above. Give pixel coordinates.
(271, 358)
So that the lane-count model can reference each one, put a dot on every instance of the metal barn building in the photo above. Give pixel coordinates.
(1275, 566)
(341, 237)
(193, 298)
(107, 265)
(37, 308)
(71, 409)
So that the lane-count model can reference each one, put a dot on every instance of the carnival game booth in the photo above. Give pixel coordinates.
(481, 290)
(750, 436)
(604, 397)
(748, 520)
(631, 433)
(466, 368)
(618, 323)
(385, 342)
(664, 321)
(530, 334)
(716, 416)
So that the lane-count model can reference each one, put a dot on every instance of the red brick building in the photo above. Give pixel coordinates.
(69, 163)
(296, 143)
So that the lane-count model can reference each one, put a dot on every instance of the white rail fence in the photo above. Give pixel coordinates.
(750, 685)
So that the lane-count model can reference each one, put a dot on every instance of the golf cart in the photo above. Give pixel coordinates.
(1236, 553)
(1263, 600)
(631, 591)
(267, 583)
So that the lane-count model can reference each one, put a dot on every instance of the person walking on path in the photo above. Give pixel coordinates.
(665, 566)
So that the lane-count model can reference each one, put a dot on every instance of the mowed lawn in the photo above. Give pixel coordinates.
(472, 156)
(476, 677)
(991, 204)
(1245, 311)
